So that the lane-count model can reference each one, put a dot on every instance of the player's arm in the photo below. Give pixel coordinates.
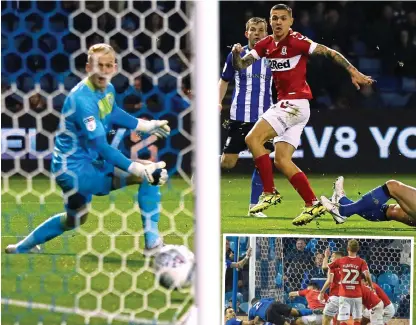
(89, 122)
(223, 86)
(326, 259)
(124, 119)
(241, 63)
(226, 75)
(356, 76)
(326, 285)
(240, 264)
(367, 276)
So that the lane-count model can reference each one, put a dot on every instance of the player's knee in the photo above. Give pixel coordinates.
(251, 140)
(76, 218)
(281, 161)
(394, 187)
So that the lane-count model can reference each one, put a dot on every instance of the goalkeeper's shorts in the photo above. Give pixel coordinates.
(80, 183)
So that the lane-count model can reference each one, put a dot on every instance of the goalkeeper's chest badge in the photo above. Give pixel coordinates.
(90, 123)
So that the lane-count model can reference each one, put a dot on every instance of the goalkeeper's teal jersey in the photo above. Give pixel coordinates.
(86, 115)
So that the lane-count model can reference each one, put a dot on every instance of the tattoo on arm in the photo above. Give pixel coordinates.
(334, 55)
(240, 63)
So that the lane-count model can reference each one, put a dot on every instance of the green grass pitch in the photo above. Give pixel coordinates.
(51, 278)
(235, 196)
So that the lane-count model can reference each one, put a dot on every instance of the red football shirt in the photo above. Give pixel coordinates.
(334, 288)
(351, 269)
(370, 299)
(382, 295)
(312, 298)
(287, 60)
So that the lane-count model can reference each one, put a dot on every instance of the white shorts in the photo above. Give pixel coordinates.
(288, 118)
(331, 306)
(350, 306)
(388, 313)
(312, 320)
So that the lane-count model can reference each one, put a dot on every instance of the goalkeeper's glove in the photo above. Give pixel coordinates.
(154, 173)
(159, 128)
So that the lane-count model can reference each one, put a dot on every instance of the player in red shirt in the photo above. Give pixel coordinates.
(373, 304)
(350, 293)
(388, 311)
(311, 294)
(288, 53)
(333, 283)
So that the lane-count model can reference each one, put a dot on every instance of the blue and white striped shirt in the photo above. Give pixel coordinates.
(253, 88)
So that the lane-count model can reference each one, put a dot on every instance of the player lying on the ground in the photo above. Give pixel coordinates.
(83, 162)
(333, 283)
(372, 206)
(231, 319)
(272, 311)
(245, 111)
(311, 294)
(288, 53)
(372, 302)
(239, 264)
(255, 81)
(350, 292)
(389, 310)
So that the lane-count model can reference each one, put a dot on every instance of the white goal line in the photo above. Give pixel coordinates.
(87, 314)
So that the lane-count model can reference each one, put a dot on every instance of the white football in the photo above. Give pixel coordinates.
(174, 266)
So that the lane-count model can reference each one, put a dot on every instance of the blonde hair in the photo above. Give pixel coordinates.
(256, 20)
(353, 245)
(100, 48)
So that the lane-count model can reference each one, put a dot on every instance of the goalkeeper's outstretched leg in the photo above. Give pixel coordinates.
(77, 204)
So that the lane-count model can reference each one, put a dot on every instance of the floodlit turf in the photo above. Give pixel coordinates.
(51, 278)
(235, 195)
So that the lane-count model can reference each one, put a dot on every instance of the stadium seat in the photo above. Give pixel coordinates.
(369, 66)
(394, 100)
(244, 307)
(388, 278)
(389, 84)
(279, 280)
(409, 84)
(388, 290)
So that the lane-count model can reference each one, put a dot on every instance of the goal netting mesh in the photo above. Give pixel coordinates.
(97, 274)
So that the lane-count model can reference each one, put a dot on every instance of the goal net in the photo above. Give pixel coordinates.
(97, 274)
(282, 265)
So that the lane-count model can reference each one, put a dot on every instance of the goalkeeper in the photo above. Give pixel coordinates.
(83, 162)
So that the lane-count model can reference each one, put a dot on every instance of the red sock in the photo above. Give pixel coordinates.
(335, 320)
(301, 184)
(264, 165)
(357, 323)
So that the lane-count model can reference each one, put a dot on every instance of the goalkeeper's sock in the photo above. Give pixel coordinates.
(256, 187)
(264, 165)
(46, 231)
(149, 202)
(301, 184)
(305, 312)
(370, 201)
